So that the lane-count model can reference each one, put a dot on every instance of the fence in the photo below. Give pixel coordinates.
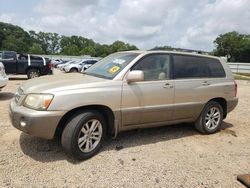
(239, 67)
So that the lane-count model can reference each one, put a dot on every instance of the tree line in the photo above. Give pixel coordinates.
(15, 38)
(233, 45)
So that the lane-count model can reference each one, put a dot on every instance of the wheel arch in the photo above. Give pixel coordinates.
(104, 110)
(223, 104)
(73, 68)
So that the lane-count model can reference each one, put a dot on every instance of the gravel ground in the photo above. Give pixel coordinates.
(173, 156)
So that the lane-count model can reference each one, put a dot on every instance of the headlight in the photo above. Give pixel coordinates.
(38, 101)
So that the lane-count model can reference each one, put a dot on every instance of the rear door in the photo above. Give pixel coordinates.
(197, 80)
(151, 100)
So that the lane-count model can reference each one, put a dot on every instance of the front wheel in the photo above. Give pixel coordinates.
(33, 73)
(83, 135)
(210, 119)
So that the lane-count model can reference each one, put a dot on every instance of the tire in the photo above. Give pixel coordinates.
(73, 70)
(208, 122)
(76, 139)
(33, 73)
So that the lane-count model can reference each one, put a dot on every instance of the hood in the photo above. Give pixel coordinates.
(62, 82)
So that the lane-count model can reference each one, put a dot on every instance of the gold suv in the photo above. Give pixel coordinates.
(124, 91)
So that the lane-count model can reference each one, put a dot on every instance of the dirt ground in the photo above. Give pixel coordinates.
(172, 156)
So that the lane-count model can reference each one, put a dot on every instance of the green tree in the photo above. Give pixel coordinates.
(36, 49)
(234, 45)
(71, 50)
(54, 43)
(13, 38)
(121, 46)
(229, 44)
(49, 42)
(89, 50)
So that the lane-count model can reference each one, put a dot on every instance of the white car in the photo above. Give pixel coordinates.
(77, 67)
(55, 61)
(61, 66)
(3, 77)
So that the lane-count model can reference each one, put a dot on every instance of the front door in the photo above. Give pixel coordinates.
(151, 100)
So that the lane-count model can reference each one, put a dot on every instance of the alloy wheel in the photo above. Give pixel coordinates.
(213, 117)
(90, 135)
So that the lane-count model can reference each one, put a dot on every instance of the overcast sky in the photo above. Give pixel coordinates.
(190, 24)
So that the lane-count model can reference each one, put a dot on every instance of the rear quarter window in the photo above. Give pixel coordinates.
(196, 67)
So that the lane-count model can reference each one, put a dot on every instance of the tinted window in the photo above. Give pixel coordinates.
(215, 68)
(196, 67)
(9, 55)
(155, 67)
(92, 62)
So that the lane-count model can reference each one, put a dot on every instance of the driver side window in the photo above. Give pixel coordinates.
(155, 67)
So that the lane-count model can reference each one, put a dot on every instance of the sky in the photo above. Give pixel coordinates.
(191, 24)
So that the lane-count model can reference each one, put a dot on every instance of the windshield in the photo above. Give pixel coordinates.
(111, 65)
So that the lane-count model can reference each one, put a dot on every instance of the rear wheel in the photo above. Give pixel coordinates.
(83, 135)
(210, 119)
(33, 73)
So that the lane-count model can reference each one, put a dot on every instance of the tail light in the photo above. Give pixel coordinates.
(235, 88)
(50, 65)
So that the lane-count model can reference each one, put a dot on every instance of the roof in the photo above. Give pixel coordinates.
(169, 52)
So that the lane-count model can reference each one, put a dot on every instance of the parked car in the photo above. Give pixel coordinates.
(32, 66)
(56, 64)
(77, 67)
(88, 64)
(124, 91)
(61, 66)
(56, 61)
(3, 77)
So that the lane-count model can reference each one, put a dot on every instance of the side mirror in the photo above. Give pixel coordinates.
(135, 76)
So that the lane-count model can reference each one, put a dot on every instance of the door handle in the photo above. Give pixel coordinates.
(205, 83)
(168, 85)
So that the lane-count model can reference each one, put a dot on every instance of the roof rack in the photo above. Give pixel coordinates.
(181, 50)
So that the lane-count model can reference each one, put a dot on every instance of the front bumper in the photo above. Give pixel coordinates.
(41, 124)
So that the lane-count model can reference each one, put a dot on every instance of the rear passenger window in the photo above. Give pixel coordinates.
(196, 67)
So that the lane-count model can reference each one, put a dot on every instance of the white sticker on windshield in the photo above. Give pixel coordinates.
(119, 61)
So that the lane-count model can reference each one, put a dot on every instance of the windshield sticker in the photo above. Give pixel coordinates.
(119, 61)
(114, 69)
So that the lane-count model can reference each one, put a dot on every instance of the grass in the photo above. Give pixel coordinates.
(240, 77)
(244, 74)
